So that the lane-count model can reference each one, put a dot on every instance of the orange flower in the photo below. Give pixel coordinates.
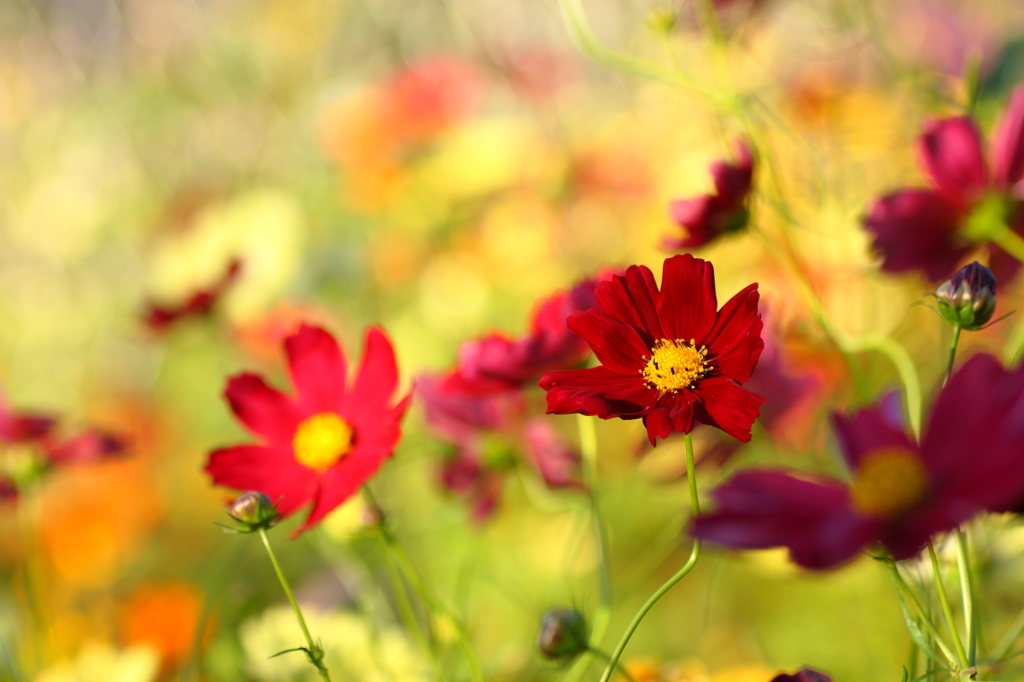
(164, 617)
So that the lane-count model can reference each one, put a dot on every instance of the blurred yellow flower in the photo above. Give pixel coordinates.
(102, 663)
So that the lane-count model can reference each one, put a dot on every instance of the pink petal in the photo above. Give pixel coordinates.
(1008, 143)
(951, 152)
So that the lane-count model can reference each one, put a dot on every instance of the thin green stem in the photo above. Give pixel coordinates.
(964, 569)
(618, 666)
(1012, 635)
(314, 652)
(901, 584)
(436, 606)
(1011, 242)
(946, 609)
(588, 450)
(952, 353)
(670, 583)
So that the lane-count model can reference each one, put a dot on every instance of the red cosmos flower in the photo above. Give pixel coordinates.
(667, 356)
(804, 675)
(933, 229)
(159, 318)
(709, 216)
(968, 460)
(498, 363)
(326, 442)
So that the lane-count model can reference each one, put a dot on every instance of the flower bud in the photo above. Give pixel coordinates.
(968, 299)
(563, 634)
(254, 510)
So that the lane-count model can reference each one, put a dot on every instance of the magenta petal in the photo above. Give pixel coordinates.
(1008, 143)
(92, 446)
(813, 519)
(556, 462)
(870, 429)
(952, 154)
(317, 366)
(916, 229)
(263, 410)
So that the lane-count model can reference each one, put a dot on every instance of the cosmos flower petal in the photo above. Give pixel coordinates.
(269, 470)
(916, 229)
(632, 299)
(318, 369)
(377, 378)
(674, 412)
(263, 410)
(596, 391)
(728, 406)
(951, 153)
(93, 445)
(735, 340)
(1008, 143)
(688, 301)
(872, 428)
(764, 508)
(616, 345)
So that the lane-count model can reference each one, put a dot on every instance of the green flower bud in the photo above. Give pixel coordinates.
(254, 511)
(563, 634)
(968, 299)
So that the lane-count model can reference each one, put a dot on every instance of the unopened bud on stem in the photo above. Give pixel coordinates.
(254, 511)
(968, 299)
(563, 634)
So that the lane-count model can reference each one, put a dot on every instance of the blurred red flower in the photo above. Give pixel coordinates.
(902, 493)
(159, 318)
(804, 675)
(497, 363)
(933, 229)
(709, 216)
(326, 442)
(668, 357)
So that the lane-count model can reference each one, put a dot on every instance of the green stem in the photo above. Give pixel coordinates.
(963, 568)
(1011, 242)
(403, 606)
(413, 577)
(618, 666)
(314, 652)
(1012, 635)
(588, 450)
(670, 583)
(576, 19)
(946, 610)
(901, 584)
(952, 353)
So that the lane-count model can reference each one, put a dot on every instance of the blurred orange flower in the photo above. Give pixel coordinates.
(164, 617)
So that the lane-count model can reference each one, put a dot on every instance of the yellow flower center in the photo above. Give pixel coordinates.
(675, 365)
(889, 482)
(322, 440)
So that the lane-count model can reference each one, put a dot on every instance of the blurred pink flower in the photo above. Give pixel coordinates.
(710, 216)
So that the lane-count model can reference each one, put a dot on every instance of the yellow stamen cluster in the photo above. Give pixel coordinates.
(675, 365)
(322, 440)
(889, 482)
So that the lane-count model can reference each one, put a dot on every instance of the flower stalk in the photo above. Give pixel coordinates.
(670, 583)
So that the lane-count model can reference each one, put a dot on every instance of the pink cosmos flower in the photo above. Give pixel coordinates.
(933, 229)
(709, 216)
(970, 459)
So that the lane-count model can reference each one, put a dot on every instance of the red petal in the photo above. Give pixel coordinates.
(632, 299)
(674, 412)
(727, 406)
(688, 300)
(269, 470)
(735, 341)
(377, 379)
(265, 411)
(597, 391)
(616, 345)
(1008, 144)
(951, 153)
(317, 366)
(869, 429)
(813, 519)
(916, 229)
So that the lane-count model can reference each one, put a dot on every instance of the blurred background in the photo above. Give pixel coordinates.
(183, 181)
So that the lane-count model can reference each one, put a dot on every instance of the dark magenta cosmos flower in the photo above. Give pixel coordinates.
(669, 357)
(804, 675)
(498, 363)
(933, 229)
(970, 458)
(709, 216)
(328, 440)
